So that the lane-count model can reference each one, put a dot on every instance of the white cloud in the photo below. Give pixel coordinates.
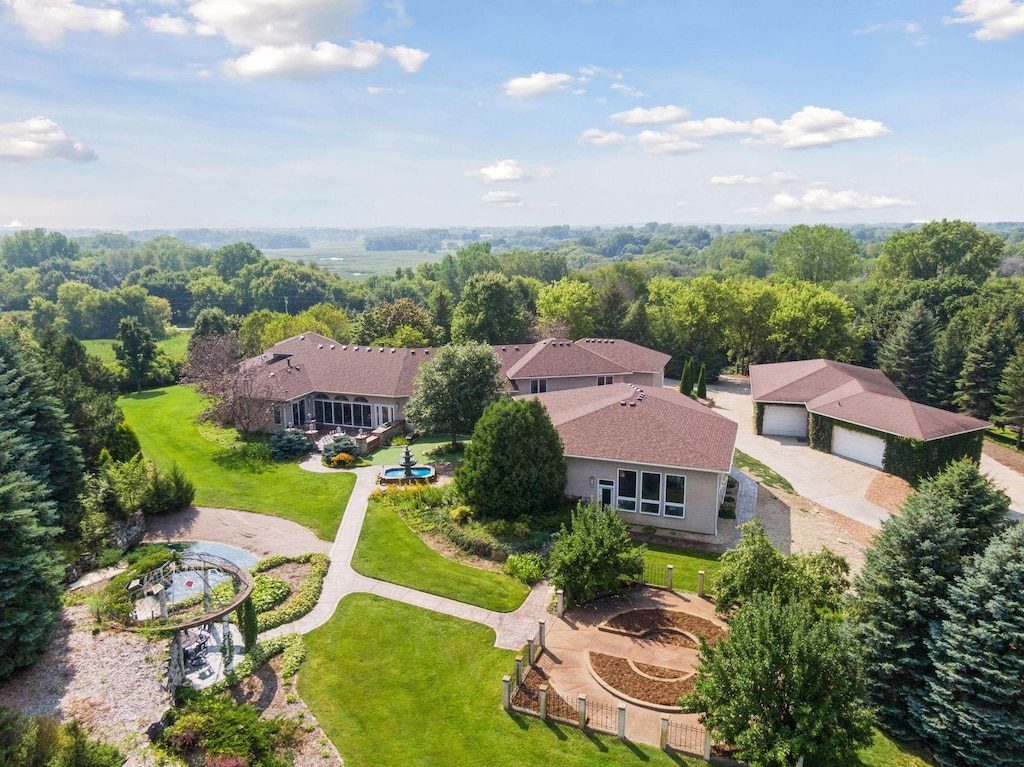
(537, 84)
(997, 19)
(258, 23)
(824, 200)
(409, 59)
(627, 90)
(682, 204)
(48, 20)
(811, 126)
(735, 180)
(545, 172)
(374, 90)
(714, 127)
(652, 116)
(308, 61)
(15, 223)
(602, 138)
(658, 142)
(401, 18)
(870, 29)
(504, 199)
(500, 171)
(168, 25)
(782, 177)
(40, 138)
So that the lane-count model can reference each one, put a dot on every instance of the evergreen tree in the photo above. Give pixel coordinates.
(29, 409)
(906, 356)
(977, 503)
(29, 567)
(906, 575)
(1010, 399)
(947, 362)
(686, 381)
(136, 349)
(514, 465)
(978, 384)
(702, 382)
(441, 313)
(976, 707)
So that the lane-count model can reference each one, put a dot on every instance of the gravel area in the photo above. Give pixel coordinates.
(888, 491)
(110, 682)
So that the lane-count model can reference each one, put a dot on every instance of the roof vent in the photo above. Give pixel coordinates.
(302, 338)
(355, 348)
(381, 349)
(622, 402)
(632, 404)
(319, 346)
(504, 348)
(369, 349)
(426, 351)
(345, 347)
(392, 351)
(332, 346)
(413, 352)
(271, 373)
(517, 348)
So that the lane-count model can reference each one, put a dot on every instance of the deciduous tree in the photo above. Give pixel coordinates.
(492, 310)
(136, 350)
(816, 254)
(940, 249)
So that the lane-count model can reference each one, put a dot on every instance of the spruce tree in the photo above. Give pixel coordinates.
(906, 575)
(977, 503)
(30, 572)
(29, 409)
(906, 355)
(947, 362)
(1010, 399)
(976, 708)
(702, 382)
(686, 381)
(978, 384)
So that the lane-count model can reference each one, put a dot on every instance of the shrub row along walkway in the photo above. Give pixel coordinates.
(512, 629)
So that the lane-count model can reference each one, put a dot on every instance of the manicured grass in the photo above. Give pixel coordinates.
(389, 456)
(175, 345)
(233, 477)
(390, 551)
(395, 685)
(767, 477)
(1001, 436)
(685, 564)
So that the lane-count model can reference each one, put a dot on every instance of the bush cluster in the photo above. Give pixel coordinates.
(117, 601)
(288, 443)
(43, 742)
(262, 651)
(529, 567)
(167, 494)
(341, 461)
(340, 444)
(268, 592)
(305, 596)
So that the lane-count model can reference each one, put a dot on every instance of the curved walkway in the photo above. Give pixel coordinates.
(512, 629)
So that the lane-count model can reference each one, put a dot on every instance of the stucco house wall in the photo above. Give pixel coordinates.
(703, 494)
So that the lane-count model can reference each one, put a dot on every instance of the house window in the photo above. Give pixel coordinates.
(604, 380)
(277, 415)
(675, 495)
(650, 493)
(538, 385)
(627, 490)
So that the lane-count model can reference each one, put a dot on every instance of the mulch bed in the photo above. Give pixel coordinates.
(619, 675)
(1005, 455)
(528, 697)
(640, 622)
(659, 671)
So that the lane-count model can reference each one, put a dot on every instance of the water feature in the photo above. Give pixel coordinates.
(418, 472)
(406, 471)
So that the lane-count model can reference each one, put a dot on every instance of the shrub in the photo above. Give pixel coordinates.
(305, 597)
(268, 592)
(341, 461)
(167, 493)
(399, 440)
(109, 557)
(288, 443)
(117, 601)
(529, 568)
(340, 444)
(460, 515)
(122, 443)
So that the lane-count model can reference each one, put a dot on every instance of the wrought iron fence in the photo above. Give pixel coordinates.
(602, 716)
(655, 575)
(686, 737)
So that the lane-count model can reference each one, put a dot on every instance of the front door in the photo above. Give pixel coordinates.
(385, 414)
(607, 489)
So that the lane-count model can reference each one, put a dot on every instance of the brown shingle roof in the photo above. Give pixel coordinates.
(627, 355)
(855, 394)
(558, 357)
(656, 426)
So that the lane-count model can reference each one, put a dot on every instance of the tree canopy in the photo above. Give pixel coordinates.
(816, 254)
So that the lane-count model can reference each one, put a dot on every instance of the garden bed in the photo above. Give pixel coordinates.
(527, 697)
(620, 675)
(661, 622)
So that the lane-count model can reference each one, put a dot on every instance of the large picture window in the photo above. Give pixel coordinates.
(675, 495)
(343, 413)
(538, 385)
(627, 490)
(650, 493)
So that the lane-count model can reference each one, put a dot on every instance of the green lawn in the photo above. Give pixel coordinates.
(766, 476)
(174, 345)
(396, 685)
(227, 476)
(685, 564)
(390, 551)
(389, 456)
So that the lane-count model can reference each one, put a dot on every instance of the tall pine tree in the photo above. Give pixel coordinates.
(978, 384)
(947, 362)
(686, 381)
(975, 715)
(29, 409)
(702, 382)
(30, 572)
(1010, 399)
(977, 503)
(906, 355)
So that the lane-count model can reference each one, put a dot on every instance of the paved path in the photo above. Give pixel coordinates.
(512, 629)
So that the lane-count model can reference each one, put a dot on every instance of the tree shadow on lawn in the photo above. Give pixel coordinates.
(251, 458)
(152, 394)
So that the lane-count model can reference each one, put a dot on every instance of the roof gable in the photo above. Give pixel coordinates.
(553, 358)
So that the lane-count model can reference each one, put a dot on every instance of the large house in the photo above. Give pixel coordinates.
(858, 413)
(656, 456)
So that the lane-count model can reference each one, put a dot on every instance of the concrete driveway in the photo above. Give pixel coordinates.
(833, 482)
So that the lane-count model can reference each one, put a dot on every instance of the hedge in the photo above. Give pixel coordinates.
(306, 595)
(291, 645)
(758, 417)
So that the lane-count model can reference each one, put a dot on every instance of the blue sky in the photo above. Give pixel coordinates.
(226, 113)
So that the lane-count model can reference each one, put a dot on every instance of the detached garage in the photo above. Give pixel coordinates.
(785, 421)
(858, 446)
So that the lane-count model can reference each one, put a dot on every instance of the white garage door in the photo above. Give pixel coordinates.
(785, 421)
(857, 446)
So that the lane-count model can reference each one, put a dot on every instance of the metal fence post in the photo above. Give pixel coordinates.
(541, 626)
(707, 746)
(519, 669)
(668, 577)
(506, 692)
(664, 732)
(543, 702)
(561, 603)
(529, 651)
(700, 583)
(581, 709)
(622, 721)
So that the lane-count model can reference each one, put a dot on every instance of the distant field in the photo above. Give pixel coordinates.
(349, 259)
(174, 346)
